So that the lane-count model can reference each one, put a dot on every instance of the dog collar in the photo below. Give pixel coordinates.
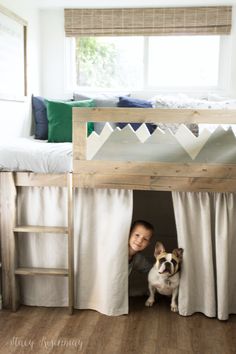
(173, 274)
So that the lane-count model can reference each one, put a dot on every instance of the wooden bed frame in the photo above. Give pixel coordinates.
(149, 175)
(108, 174)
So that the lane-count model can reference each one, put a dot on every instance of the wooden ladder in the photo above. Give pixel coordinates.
(32, 271)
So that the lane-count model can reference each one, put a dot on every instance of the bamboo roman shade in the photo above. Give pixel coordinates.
(148, 21)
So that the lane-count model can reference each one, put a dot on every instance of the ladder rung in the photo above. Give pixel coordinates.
(42, 271)
(42, 229)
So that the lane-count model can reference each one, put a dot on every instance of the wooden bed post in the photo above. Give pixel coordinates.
(79, 141)
(70, 243)
(7, 223)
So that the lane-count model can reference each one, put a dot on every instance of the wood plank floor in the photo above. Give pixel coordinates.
(143, 331)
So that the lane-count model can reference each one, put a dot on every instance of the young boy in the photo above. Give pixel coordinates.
(140, 235)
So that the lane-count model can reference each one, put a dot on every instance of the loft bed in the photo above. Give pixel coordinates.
(131, 175)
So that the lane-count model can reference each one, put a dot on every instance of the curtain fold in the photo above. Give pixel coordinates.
(193, 223)
(206, 229)
(101, 230)
(208, 20)
(101, 264)
(225, 234)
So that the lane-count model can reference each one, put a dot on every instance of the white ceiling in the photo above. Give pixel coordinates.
(128, 3)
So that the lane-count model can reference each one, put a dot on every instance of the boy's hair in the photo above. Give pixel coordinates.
(143, 223)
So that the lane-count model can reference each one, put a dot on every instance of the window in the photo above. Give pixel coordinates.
(109, 62)
(183, 61)
(147, 63)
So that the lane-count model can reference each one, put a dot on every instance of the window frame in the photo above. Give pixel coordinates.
(223, 75)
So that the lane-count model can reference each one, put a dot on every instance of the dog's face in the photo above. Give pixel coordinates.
(167, 263)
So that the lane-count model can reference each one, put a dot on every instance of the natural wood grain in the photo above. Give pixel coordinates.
(41, 229)
(157, 183)
(165, 169)
(4, 241)
(79, 138)
(144, 176)
(70, 242)
(29, 179)
(150, 175)
(145, 330)
(41, 271)
(155, 115)
(8, 246)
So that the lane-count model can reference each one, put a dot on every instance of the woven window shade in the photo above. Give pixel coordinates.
(148, 21)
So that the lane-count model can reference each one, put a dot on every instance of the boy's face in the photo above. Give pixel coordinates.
(139, 238)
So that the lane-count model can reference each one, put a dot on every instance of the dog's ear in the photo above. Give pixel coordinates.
(159, 248)
(178, 252)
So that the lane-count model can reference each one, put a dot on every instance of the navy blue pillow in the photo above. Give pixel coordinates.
(136, 103)
(40, 118)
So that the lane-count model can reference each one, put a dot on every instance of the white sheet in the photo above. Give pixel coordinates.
(28, 154)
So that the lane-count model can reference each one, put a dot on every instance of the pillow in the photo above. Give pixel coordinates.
(40, 118)
(60, 119)
(100, 100)
(178, 101)
(125, 101)
(138, 103)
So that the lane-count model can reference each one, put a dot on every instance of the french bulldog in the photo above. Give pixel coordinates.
(165, 274)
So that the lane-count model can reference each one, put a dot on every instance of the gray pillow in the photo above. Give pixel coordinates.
(100, 100)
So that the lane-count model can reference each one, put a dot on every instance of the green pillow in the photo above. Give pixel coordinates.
(60, 119)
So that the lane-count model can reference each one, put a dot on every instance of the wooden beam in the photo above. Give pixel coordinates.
(165, 176)
(194, 184)
(70, 210)
(155, 115)
(29, 179)
(41, 229)
(160, 169)
(79, 138)
(42, 271)
(10, 287)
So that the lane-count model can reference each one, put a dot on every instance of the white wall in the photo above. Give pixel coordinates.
(53, 48)
(53, 53)
(15, 117)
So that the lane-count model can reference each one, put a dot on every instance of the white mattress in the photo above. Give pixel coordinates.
(28, 154)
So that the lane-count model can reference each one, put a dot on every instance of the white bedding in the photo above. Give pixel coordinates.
(28, 154)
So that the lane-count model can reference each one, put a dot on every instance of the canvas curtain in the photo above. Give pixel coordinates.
(101, 230)
(206, 228)
(213, 20)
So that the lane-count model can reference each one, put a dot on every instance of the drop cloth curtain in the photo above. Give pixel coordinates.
(102, 222)
(206, 228)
